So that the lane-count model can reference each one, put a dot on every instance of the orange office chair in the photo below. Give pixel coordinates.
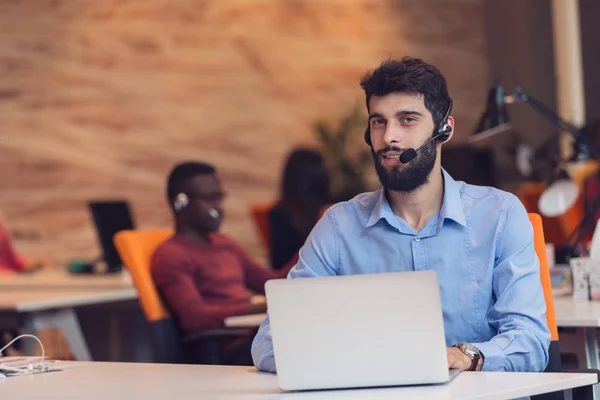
(554, 363)
(529, 193)
(539, 244)
(136, 248)
(260, 213)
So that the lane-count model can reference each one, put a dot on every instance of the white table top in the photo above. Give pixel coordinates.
(576, 313)
(245, 321)
(40, 300)
(101, 381)
(55, 278)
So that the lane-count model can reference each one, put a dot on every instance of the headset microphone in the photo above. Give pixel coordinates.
(409, 154)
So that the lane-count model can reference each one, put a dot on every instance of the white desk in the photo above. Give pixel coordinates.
(581, 314)
(576, 314)
(586, 316)
(43, 300)
(245, 321)
(48, 297)
(101, 381)
(55, 278)
(42, 309)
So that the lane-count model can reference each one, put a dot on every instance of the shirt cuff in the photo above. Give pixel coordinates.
(493, 356)
(266, 362)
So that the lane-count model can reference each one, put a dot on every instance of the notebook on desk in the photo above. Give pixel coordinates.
(358, 331)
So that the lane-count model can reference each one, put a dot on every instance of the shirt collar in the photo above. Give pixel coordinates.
(379, 210)
(452, 207)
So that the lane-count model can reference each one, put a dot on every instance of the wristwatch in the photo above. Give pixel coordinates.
(472, 352)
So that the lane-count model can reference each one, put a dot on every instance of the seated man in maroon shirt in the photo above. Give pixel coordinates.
(204, 276)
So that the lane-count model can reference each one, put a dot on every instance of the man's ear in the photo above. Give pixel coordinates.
(451, 123)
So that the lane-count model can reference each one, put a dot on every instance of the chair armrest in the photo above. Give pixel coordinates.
(214, 333)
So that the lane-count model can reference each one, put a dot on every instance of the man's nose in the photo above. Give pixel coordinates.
(392, 134)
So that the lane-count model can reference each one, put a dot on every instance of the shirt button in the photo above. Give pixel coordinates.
(417, 239)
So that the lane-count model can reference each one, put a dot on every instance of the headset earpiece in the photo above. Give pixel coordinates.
(368, 136)
(445, 129)
(181, 202)
(445, 133)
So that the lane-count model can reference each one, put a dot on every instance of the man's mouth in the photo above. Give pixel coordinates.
(391, 157)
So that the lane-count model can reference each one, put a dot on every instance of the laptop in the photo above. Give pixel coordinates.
(110, 217)
(358, 331)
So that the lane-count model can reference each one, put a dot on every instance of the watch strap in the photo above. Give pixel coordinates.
(474, 357)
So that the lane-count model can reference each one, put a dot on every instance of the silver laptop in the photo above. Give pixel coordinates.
(358, 331)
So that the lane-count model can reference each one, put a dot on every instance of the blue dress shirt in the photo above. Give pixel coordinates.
(480, 244)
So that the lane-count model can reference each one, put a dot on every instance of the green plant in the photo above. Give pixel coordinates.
(347, 160)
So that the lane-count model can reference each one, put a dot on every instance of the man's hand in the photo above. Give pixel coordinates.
(458, 359)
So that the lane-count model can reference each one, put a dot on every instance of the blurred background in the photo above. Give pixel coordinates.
(99, 99)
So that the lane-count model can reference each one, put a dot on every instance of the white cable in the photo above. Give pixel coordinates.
(24, 336)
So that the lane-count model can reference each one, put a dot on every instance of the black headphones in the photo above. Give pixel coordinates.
(443, 131)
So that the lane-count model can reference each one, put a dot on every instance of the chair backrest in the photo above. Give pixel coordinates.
(540, 250)
(136, 248)
(260, 213)
(554, 350)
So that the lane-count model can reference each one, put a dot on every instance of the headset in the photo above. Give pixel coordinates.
(181, 201)
(443, 131)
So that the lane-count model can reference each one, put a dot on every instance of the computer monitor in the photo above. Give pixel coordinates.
(110, 217)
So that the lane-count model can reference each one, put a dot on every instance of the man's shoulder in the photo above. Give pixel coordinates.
(173, 247)
(487, 195)
(173, 242)
(346, 217)
(362, 202)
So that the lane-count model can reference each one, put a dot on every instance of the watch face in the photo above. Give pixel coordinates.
(470, 349)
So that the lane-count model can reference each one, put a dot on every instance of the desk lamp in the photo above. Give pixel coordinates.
(562, 197)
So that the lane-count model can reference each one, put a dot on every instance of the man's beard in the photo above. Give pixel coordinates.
(412, 176)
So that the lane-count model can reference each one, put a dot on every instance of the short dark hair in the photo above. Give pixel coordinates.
(304, 175)
(409, 75)
(183, 172)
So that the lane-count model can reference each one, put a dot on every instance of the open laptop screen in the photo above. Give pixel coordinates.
(110, 217)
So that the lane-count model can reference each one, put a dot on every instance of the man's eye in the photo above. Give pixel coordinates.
(409, 120)
(378, 122)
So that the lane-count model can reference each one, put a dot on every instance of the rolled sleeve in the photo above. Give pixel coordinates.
(519, 313)
(263, 355)
(493, 356)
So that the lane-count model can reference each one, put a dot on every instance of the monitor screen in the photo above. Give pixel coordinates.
(111, 217)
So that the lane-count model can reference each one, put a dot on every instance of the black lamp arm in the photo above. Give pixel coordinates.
(547, 112)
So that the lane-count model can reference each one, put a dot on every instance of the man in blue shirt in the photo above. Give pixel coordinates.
(478, 239)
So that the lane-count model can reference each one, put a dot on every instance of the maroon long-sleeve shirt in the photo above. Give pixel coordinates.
(204, 283)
